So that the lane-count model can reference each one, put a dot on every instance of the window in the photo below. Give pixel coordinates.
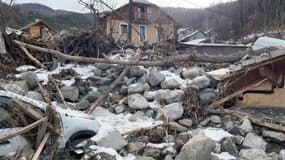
(124, 28)
(141, 12)
(142, 33)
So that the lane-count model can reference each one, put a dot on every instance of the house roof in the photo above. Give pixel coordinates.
(143, 2)
(37, 21)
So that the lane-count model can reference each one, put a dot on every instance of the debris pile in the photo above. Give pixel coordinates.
(124, 106)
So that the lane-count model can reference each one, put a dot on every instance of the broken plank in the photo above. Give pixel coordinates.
(32, 58)
(22, 130)
(41, 132)
(41, 147)
(27, 110)
(58, 90)
(217, 103)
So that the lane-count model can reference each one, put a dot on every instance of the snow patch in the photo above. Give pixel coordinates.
(224, 156)
(160, 146)
(25, 68)
(216, 134)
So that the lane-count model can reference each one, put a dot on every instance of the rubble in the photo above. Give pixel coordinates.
(132, 104)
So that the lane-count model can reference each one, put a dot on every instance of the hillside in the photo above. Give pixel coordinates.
(23, 14)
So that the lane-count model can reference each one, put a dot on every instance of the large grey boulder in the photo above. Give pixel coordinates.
(253, 141)
(197, 148)
(135, 88)
(207, 96)
(92, 96)
(229, 146)
(282, 154)
(82, 105)
(201, 82)
(112, 139)
(136, 72)
(135, 147)
(169, 84)
(173, 126)
(246, 126)
(19, 87)
(70, 93)
(155, 78)
(35, 95)
(137, 101)
(31, 79)
(192, 73)
(174, 96)
(277, 136)
(253, 154)
(174, 111)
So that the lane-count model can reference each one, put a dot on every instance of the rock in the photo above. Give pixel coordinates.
(169, 138)
(169, 84)
(148, 96)
(229, 125)
(205, 122)
(184, 137)
(35, 95)
(97, 72)
(137, 101)
(155, 78)
(186, 122)
(273, 156)
(136, 72)
(207, 96)
(124, 90)
(70, 93)
(144, 158)
(192, 73)
(130, 51)
(174, 111)
(239, 139)
(102, 81)
(215, 119)
(277, 136)
(176, 127)
(31, 79)
(119, 109)
(137, 116)
(282, 154)
(19, 87)
(201, 82)
(82, 105)
(169, 151)
(246, 126)
(174, 96)
(103, 66)
(197, 148)
(92, 96)
(229, 146)
(103, 156)
(135, 88)
(223, 156)
(253, 154)
(112, 139)
(135, 147)
(154, 153)
(253, 141)
(168, 157)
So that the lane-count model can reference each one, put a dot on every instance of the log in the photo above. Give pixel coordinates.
(187, 56)
(32, 58)
(22, 130)
(41, 147)
(41, 132)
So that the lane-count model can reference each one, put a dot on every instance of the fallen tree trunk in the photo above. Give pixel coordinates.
(186, 56)
(32, 58)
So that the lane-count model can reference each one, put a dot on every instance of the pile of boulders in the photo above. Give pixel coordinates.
(157, 93)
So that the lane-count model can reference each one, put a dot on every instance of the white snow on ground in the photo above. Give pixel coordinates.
(25, 68)
(121, 122)
(160, 145)
(225, 156)
(216, 134)
(110, 151)
(84, 71)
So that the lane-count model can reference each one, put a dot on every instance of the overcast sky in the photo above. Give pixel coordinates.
(72, 5)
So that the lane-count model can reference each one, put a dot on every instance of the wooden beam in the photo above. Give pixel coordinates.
(41, 147)
(41, 132)
(32, 58)
(22, 130)
(219, 102)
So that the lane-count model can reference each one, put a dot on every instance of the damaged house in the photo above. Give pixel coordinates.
(149, 23)
(38, 29)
